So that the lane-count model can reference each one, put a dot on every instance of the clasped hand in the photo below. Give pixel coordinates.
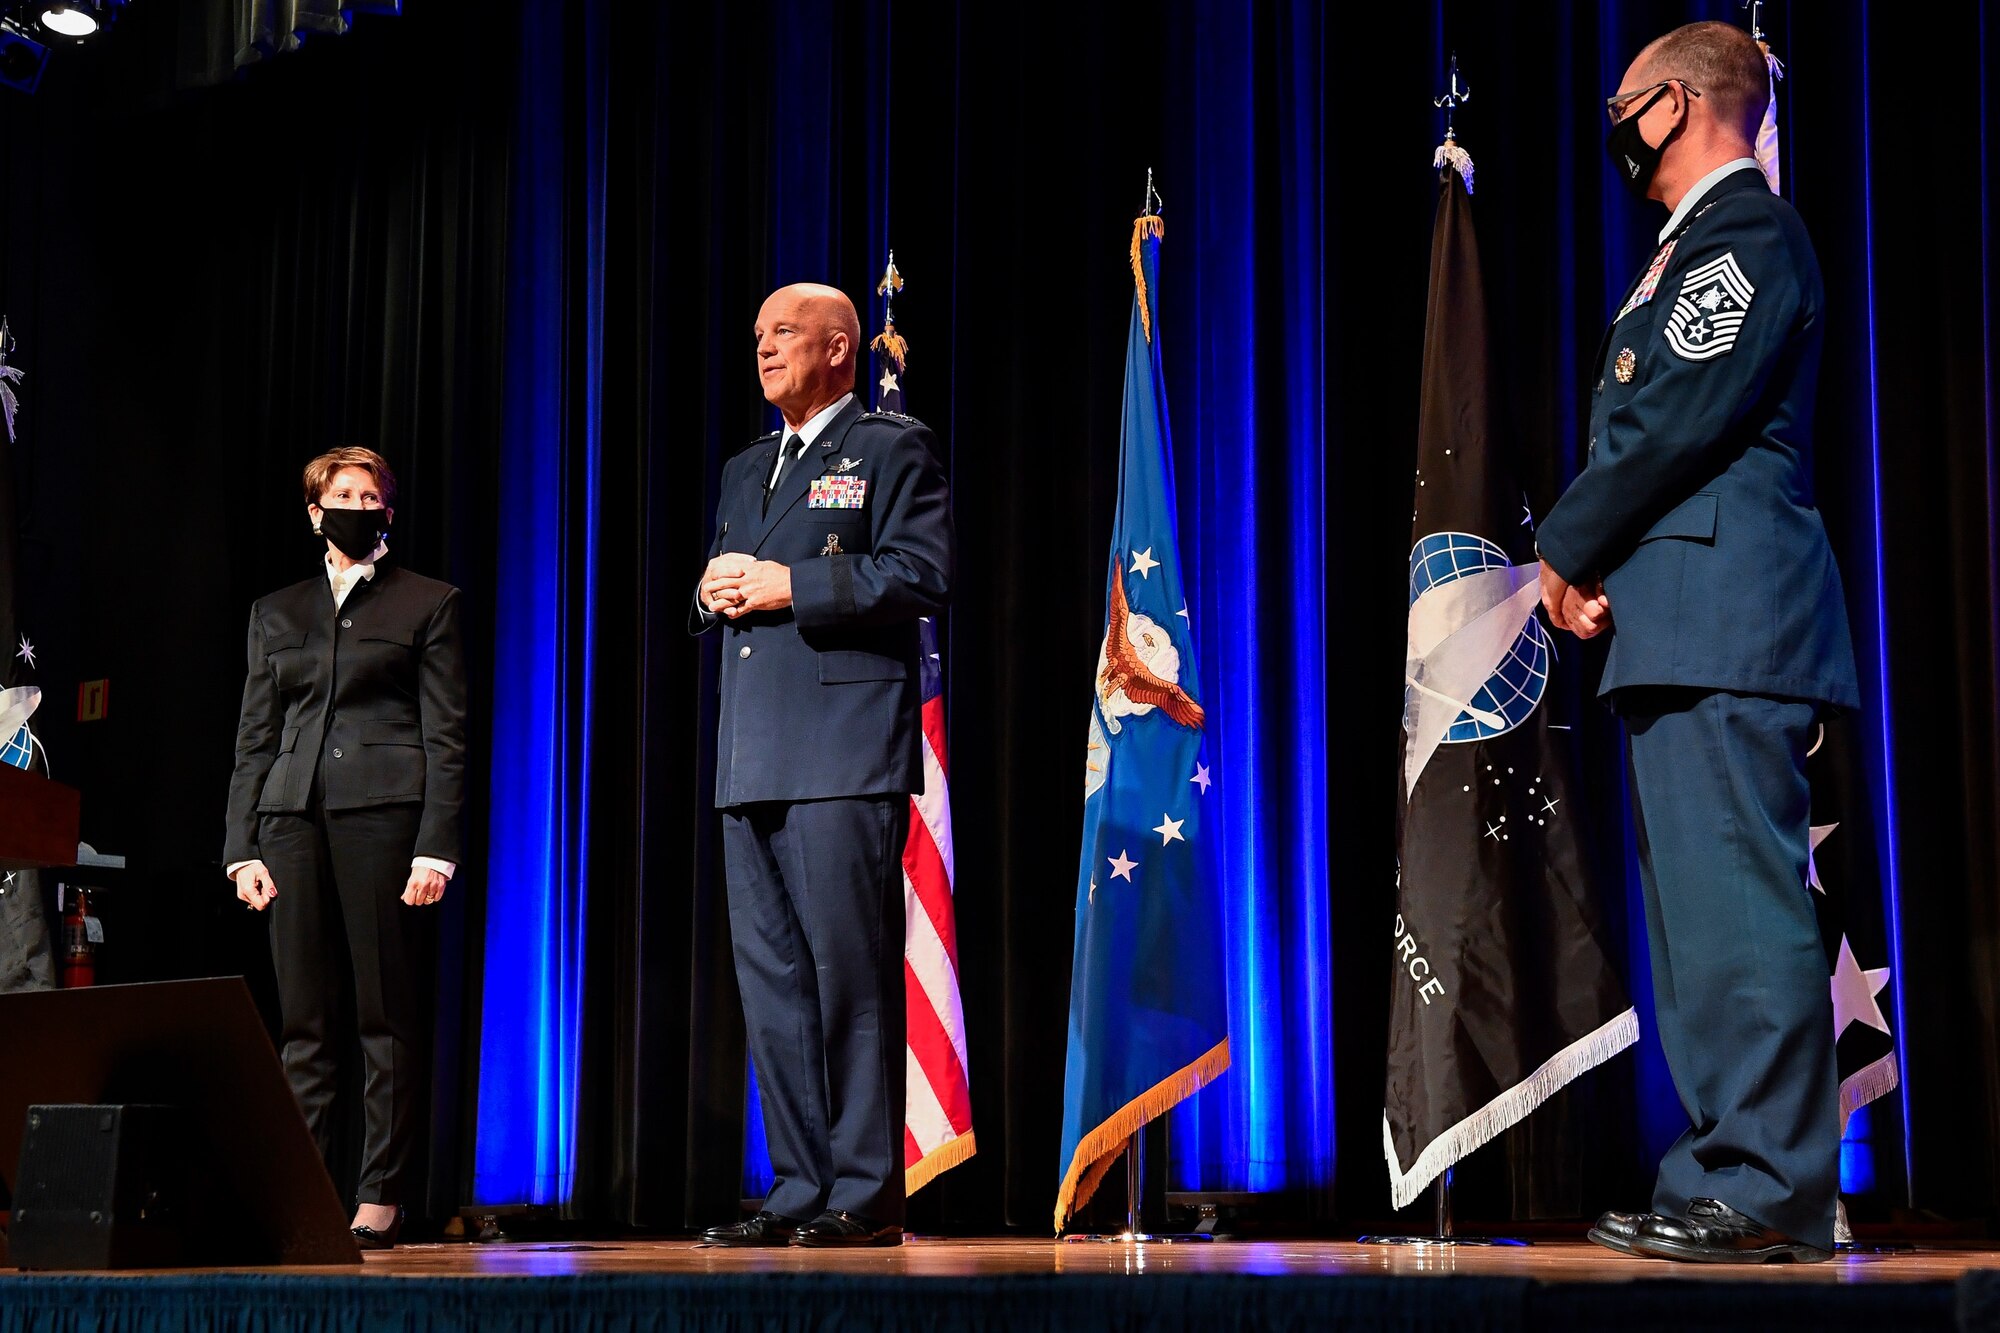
(1584, 612)
(735, 585)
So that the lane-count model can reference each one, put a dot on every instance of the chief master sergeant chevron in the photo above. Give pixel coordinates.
(1691, 535)
(832, 538)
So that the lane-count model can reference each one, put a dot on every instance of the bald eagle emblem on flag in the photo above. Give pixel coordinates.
(1710, 309)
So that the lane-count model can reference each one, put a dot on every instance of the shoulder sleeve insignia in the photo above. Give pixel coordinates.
(1709, 311)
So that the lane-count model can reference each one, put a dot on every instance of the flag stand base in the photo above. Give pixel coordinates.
(1132, 1235)
(1444, 1238)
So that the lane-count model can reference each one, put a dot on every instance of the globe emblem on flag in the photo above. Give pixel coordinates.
(17, 751)
(1511, 694)
(17, 746)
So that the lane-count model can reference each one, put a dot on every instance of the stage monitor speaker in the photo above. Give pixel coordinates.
(256, 1189)
(100, 1187)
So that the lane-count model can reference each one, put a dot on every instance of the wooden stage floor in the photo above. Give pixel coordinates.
(1550, 1261)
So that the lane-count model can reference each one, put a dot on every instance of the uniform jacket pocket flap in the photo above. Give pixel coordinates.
(403, 634)
(1693, 518)
(287, 740)
(846, 666)
(389, 731)
(291, 638)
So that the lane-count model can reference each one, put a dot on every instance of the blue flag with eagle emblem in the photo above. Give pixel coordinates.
(1148, 1025)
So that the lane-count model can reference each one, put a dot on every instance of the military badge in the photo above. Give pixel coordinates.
(838, 492)
(1709, 311)
(1627, 362)
(832, 546)
(847, 465)
(1650, 283)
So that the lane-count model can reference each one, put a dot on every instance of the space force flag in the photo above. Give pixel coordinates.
(1147, 1020)
(1500, 988)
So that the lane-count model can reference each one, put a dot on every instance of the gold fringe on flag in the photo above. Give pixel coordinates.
(937, 1161)
(1146, 224)
(891, 343)
(1099, 1149)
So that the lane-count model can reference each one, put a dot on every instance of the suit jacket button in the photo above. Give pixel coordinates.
(744, 651)
(347, 624)
(336, 752)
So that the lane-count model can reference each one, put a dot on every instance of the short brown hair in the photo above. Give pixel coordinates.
(1724, 63)
(319, 473)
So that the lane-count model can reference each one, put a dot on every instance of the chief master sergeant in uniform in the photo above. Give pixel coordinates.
(1691, 535)
(833, 537)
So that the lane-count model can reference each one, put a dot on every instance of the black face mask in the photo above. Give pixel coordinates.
(1636, 159)
(355, 533)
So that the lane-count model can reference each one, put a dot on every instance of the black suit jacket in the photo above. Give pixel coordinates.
(821, 700)
(372, 695)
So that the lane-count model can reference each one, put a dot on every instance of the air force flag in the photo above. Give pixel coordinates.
(1147, 1020)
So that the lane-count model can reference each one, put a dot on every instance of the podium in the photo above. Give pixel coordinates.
(38, 820)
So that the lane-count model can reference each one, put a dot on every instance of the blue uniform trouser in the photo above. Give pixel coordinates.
(1740, 979)
(816, 921)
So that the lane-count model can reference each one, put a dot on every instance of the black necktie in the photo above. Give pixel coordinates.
(793, 444)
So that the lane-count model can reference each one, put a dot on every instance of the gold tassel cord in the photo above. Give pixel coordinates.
(1099, 1149)
(1146, 224)
(938, 1161)
(891, 343)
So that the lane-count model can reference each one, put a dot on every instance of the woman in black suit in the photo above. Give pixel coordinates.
(344, 810)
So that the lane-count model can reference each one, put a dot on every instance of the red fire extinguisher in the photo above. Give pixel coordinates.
(80, 936)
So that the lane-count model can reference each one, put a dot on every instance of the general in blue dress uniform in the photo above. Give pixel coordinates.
(1692, 538)
(833, 537)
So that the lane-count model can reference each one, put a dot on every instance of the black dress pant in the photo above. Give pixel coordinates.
(816, 920)
(339, 921)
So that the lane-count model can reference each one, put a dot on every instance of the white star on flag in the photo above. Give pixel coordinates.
(1143, 563)
(1819, 835)
(1182, 613)
(27, 651)
(1169, 829)
(1854, 993)
(1201, 778)
(1122, 868)
(888, 381)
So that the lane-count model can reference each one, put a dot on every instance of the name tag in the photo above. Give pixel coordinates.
(838, 493)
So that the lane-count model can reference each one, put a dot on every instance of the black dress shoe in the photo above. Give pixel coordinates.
(765, 1228)
(834, 1228)
(368, 1238)
(1715, 1233)
(1616, 1231)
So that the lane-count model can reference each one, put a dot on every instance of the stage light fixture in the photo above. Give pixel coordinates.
(75, 20)
(22, 59)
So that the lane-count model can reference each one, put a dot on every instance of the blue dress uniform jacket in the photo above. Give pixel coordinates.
(1695, 506)
(822, 700)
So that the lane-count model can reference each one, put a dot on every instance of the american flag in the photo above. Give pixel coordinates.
(937, 1115)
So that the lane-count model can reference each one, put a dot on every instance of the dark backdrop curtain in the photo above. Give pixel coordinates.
(522, 256)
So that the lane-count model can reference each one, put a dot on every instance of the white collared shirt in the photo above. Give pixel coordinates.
(810, 431)
(1693, 197)
(343, 582)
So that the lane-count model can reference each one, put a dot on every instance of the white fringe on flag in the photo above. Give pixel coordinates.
(1449, 154)
(1865, 1084)
(1506, 1110)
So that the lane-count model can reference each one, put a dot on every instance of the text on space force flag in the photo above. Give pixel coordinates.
(1148, 1024)
(1500, 988)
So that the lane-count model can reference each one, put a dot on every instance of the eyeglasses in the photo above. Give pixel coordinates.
(1618, 100)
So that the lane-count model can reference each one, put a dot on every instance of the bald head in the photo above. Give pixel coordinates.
(808, 346)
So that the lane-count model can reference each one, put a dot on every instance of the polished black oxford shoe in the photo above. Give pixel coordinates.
(765, 1228)
(834, 1228)
(1616, 1231)
(1714, 1233)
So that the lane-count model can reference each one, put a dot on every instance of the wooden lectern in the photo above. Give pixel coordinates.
(38, 820)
